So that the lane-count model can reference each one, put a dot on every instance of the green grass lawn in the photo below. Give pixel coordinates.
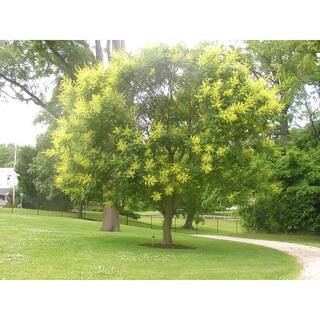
(52, 247)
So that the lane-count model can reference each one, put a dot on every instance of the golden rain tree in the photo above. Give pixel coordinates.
(182, 119)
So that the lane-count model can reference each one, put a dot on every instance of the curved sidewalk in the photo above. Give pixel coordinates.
(308, 256)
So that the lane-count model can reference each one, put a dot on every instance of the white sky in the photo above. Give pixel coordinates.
(16, 122)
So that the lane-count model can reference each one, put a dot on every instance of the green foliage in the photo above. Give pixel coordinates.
(295, 205)
(130, 214)
(25, 156)
(36, 175)
(6, 155)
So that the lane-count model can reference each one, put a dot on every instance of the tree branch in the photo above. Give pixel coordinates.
(34, 98)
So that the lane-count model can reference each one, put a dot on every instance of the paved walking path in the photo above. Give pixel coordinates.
(308, 256)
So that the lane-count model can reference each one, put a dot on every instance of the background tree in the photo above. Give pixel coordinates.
(289, 66)
(6, 155)
(291, 203)
(26, 185)
(36, 174)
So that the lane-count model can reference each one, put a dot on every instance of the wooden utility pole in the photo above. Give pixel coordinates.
(14, 176)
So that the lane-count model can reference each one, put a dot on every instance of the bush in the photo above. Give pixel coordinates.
(296, 206)
(130, 214)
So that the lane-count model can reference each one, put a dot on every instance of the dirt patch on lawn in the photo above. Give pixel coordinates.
(162, 246)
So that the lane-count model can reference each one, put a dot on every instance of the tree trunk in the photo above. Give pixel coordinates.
(99, 53)
(80, 210)
(116, 45)
(110, 220)
(168, 212)
(108, 49)
(189, 220)
(284, 126)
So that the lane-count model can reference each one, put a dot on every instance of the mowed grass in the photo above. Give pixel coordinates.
(53, 247)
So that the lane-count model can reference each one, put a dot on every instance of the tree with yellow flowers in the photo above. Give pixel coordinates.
(160, 123)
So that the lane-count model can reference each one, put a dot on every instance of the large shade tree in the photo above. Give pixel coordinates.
(161, 122)
(293, 68)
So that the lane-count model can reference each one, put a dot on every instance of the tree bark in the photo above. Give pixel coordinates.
(189, 221)
(80, 210)
(284, 126)
(168, 211)
(116, 45)
(110, 220)
(108, 49)
(99, 53)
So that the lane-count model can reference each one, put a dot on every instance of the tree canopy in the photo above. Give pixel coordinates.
(159, 122)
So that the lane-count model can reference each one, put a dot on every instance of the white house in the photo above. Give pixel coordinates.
(8, 179)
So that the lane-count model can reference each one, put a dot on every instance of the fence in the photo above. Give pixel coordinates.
(211, 223)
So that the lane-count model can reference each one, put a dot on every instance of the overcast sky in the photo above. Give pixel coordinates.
(16, 122)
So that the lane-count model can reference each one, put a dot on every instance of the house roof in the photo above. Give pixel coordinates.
(8, 177)
(4, 191)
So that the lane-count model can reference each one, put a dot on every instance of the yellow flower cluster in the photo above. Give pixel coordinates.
(127, 131)
(156, 131)
(81, 160)
(228, 116)
(206, 159)
(206, 167)
(164, 176)
(179, 172)
(228, 93)
(182, 177)
(221, 151)
(149, 164)
(121, 145)
(150, 180)
(138, 138)
(87, 136)
(208, 148)
(133, 169)
(156, 196)
(148, 153)
(116, 131)
(234, 80)
(168, 190)
(196, 147)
